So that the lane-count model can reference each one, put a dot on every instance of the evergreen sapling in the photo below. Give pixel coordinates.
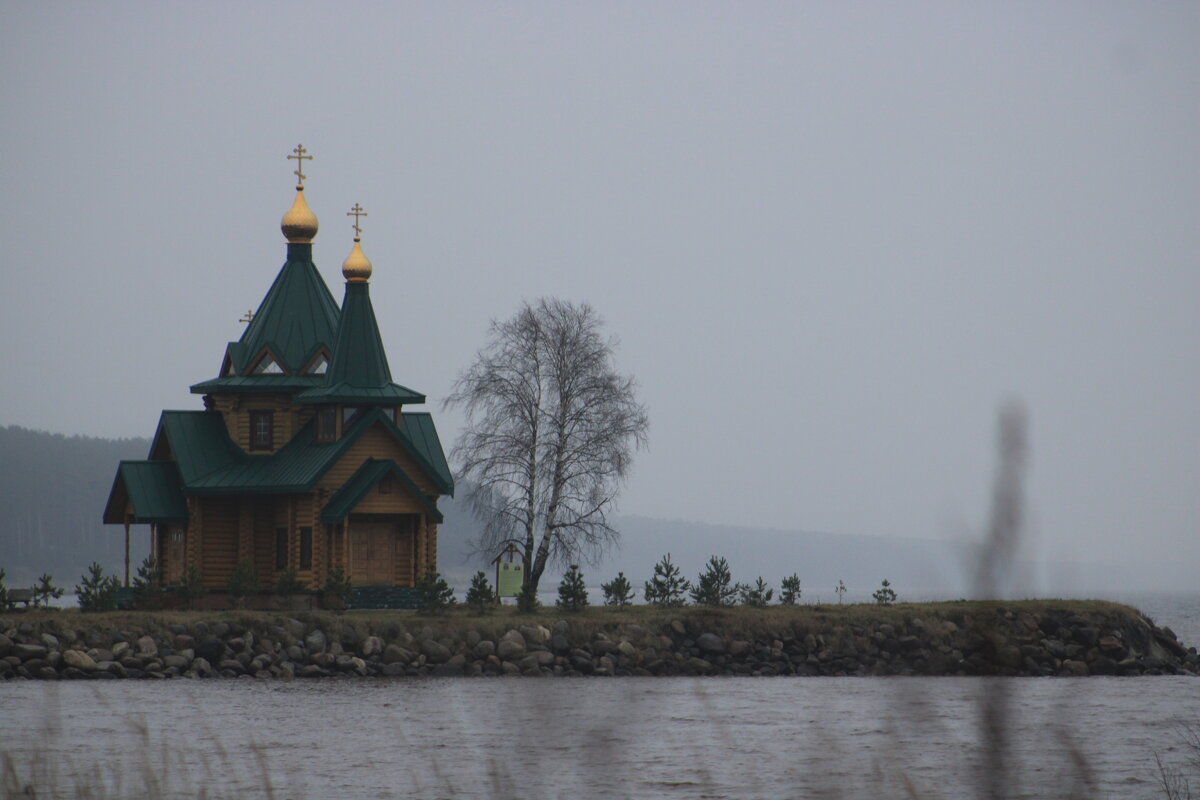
(572, 593)
(434, 595)
(789, 590)
(480, 595)
(758, 595)
(668, 586)
(715, 585)
(45, 590)
(147, 592)
(96, 592)
(885, 595)
(617, 592)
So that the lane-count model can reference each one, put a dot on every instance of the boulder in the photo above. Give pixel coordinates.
(510, 647)
(79, 660)
(710, 643)
(147, 648)
(6, 645)
(210, 648)
(370, 646)
(484, 648)
(28, 651)
(315, 641)
(435, 652)
(395, 654)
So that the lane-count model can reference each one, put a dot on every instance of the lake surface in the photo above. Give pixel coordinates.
(741, 738)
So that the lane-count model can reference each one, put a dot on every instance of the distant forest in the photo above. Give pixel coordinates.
(52, 492)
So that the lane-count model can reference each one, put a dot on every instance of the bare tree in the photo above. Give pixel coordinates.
(551, 432)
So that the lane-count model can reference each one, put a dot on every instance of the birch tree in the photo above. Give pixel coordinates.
(551, 429)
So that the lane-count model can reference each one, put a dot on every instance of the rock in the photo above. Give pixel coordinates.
(710, 643)
(626, 649)
(79, 660)
(147, 648)
(559, 643)
(210, 648)
(739, 647)
(699, 666)
(394, 669)
(315, 641)
(119, 649)
(28, 651)
(1110, 645)
(1009, 656)
(509, 648)
(560, 628)
(1103, 666)
(230, 665)
(435, 652)
(312, 671)
(178, 662)
(395, 654)
(371, 646)
(184, 641)
(484, 648)
(678, 628)
(535, 634)
(50, 641)
(202, 667)
(6, 645)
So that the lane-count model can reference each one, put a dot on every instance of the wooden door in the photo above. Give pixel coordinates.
(372, 553)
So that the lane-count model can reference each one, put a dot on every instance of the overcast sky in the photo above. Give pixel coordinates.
(832, 238)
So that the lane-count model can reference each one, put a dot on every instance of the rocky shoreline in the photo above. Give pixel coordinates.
(945, 639)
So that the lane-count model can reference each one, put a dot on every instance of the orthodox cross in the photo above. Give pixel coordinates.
(249, 315)
(356, 212)
(299, 151)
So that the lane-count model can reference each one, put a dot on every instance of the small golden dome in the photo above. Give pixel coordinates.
(357, 267)
(299, 224)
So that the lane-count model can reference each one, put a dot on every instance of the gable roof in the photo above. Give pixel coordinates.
(295, 319)
(152, 488)
(366, 478)
(209, 462)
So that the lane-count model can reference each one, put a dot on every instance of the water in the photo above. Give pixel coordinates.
(738, 739)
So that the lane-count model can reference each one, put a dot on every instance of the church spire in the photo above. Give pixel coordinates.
(299, 224)
(357, 267)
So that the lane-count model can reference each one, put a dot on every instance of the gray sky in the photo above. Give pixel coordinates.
(832, 238)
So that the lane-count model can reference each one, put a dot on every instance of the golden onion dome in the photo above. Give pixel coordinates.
(357, 267)
(299, 224)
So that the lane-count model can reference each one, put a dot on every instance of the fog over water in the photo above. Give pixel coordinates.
(831, 238)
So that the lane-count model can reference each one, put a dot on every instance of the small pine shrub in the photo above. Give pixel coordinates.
(480, 595)
(527, 600)
(617, 592)
(337, 586)
(243, 582)
(192, 588)
(885, 595)
(840, 590)
(758, 595)
(715, 585)
(789, 590)
(44, 590)
(434, 595)
(668, 587)
(288, 583)
(147, 591)
(96, 591)
(572, 593)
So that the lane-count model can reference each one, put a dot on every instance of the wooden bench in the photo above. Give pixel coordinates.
(20, 596)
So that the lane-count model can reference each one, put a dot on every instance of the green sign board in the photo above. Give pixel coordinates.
(509, 577)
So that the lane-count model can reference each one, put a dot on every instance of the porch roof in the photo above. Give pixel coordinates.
(362, 481)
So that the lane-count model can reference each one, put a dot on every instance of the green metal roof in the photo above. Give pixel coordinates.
(358, 371)
(297, 317)
(153, 488)
(245, 384)
(368, 475)
(211, 463)
(418, 428)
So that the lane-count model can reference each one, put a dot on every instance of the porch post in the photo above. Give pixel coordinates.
(127, 551)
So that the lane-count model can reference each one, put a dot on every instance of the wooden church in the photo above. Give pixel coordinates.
(304, 457)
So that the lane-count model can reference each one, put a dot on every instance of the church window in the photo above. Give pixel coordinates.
(319, 366)
(306, 548)
(262, 430)
(267, 366)
(281, 548)
(326, 423)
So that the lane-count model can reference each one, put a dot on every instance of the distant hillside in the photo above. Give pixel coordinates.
(52, 492)
(820, 559)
